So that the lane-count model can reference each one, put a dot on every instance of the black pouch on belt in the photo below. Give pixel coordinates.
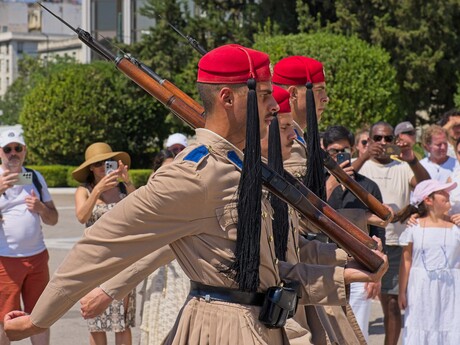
(279, 304)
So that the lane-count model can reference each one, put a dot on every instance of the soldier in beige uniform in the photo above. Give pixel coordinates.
(293, 73)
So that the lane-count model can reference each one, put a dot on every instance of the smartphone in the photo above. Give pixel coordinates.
(24, 178)
(110, 166)
(391, 150)
(343, 157)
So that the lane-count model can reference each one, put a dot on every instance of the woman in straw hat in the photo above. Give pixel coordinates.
(99, 191)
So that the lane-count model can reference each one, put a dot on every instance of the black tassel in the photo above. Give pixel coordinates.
(280, 208)
(315, 178)
(247, 252)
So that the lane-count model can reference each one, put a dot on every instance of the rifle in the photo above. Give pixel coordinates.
(367, 199)
(186, 109)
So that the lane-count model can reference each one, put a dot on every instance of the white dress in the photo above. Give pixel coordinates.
(432, 316)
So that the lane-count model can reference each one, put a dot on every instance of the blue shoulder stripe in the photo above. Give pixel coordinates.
(196, 154)
(299, 137)
(235, 159)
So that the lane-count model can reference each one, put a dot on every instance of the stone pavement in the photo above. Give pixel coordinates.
(71, 328)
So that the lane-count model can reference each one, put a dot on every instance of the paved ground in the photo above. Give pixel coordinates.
(71, 328)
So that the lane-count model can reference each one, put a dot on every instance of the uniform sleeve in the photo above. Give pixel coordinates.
(320, 253)
(119, 286)
(140, 224)
(319, 284)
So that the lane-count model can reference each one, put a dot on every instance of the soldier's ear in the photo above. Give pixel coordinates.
(226, 97)
(292, 93)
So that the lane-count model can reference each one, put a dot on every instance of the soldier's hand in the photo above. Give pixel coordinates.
(356, 273)
(17, 326)
(379, 243)
(94, 303)
(7, 180)
(373, 289)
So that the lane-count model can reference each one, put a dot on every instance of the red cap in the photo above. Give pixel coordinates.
(298, 70)
(233, 64)
(282, 98)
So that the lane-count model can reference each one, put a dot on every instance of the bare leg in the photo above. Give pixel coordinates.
(392, 319)
(123, 338)
(97, 338)
(41, 339)
(3, 338)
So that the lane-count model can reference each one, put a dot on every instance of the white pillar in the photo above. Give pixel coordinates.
(126, 21)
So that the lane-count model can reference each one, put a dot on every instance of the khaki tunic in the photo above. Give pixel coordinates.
(189, 204)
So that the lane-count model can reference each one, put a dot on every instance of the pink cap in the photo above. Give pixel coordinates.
(427, 187)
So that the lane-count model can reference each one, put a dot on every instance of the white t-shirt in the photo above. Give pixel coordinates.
(440, 172)
(20, 230)
(393, 180)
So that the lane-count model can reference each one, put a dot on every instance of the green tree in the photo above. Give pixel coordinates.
(29, 69)
(77, 105)
(360, 80)
(423, 39)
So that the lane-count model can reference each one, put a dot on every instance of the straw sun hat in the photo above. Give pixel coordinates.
(95, 153)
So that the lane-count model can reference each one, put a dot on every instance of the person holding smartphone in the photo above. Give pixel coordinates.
(104, 182)
(24, 269)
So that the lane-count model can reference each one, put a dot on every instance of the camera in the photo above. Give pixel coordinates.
(110, 166)
(343, 157)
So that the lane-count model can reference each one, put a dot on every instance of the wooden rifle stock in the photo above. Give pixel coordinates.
(185, 111)
(367, 198)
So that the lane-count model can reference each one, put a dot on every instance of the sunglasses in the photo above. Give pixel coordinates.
(98, 164)
(333, 152)
(388, 138)
(364, 142)
(17, 148)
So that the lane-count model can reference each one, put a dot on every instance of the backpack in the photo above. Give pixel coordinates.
(36, 182)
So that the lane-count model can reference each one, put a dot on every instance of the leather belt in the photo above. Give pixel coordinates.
(217, 293)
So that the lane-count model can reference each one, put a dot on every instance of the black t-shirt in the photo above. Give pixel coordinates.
(343, 198)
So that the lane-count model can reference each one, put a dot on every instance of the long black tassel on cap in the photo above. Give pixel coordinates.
(315, 178)
(247, 252)
(280, 219)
